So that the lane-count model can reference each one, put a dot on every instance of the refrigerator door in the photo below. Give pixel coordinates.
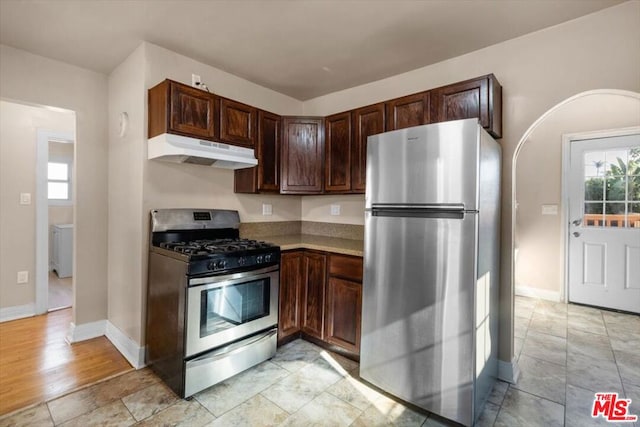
(418, 308)
(432, 164)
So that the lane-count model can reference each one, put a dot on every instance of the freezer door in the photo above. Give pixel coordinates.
(418, 310)
(432, 164)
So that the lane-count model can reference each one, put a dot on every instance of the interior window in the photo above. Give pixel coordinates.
(59, 181)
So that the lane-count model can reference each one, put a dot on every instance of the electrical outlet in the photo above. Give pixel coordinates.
(23, 277)
(25, 198)
(267, 209)
(195, 80)
(335, 209)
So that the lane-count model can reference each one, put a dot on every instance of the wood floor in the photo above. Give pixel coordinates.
(37, 364)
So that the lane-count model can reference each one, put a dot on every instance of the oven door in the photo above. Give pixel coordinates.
(224, 309)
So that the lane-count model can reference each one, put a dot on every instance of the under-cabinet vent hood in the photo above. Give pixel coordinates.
(181, 149)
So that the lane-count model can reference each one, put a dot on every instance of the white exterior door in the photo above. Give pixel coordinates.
(604, 229)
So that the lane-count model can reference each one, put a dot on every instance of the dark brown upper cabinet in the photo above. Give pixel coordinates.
(480, 97)
(180, 109)
(408, 111)
(302, 155)
(266, 176)
(367, 121)
(237, 123)
(337, 160)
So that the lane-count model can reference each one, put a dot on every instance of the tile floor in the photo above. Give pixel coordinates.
(60, 292)
(566, 353)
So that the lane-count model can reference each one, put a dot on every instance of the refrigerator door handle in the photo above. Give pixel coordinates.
(418, 212)
(435, 207)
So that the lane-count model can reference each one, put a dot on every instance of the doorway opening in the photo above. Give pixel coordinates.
(29, 134)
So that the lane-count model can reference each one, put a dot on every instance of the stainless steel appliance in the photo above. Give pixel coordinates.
(212, 298)
(430, 317)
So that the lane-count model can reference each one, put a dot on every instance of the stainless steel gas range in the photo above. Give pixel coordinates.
(212, 298)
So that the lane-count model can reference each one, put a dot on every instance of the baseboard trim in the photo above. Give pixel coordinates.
(529, 291)
(17, 312)
(508, 371)
(86, 331)
(126, 346)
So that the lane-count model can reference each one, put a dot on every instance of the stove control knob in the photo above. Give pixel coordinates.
(242, 261)
(259, 259)
(211, 265)
(221, 265)
(267, 258)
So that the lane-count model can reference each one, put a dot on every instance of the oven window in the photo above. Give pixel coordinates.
(229, 306)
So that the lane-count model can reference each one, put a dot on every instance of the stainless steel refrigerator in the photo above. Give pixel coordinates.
(430, 294)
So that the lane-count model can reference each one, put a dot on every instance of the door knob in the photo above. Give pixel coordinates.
(577, 222)
(576, 234)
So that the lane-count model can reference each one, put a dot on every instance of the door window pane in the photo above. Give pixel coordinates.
(58, 171)
(58, 190)
(612, 188)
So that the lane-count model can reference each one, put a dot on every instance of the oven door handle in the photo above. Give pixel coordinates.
(232, 348)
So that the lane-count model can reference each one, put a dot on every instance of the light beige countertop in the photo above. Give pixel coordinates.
(319, 243)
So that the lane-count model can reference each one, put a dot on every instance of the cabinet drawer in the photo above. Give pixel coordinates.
(348, 267)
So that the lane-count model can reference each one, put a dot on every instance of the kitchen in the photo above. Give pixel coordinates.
(117, 195)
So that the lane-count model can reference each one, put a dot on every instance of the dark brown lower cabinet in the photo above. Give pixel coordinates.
(343, 313)
(321, 297)
(291, 276)
(313, 287)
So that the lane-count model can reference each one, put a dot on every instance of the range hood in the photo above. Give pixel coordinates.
(181, 149)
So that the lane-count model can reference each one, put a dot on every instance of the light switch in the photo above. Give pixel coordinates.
(549, 209)
(335, 209)
(267, 209)
(23, 277)
(25, 198)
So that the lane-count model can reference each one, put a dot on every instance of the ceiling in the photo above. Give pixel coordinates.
(303, 48)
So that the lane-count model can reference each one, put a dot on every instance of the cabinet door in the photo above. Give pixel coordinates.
(291, 277)
(343, 314)
(237, 123)
(408, 111)
(302, 155)
(338, 153)
(313, 294)
(366, 121)
(268, 151)
(480, 97)
(192, 111)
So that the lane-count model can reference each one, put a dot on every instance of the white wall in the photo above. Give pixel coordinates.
(37, 80)
(539, 268)
(537, 71)
(19, 125)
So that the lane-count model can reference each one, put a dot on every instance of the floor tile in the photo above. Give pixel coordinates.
(232, 392)
(592, 345)
(35, 416)
(589, 321)
(498, 392)
(488, 416)
(549, 325)
(114, 414)
(149, 401)
(525, 410)
(621, 320)
(551, 309)
(299, 388)
(520, 326)
(90, 398)
(354, 392)
(592, 374)
(255, 412)
(337, 360)
(579, 407)
(545, 347)
(633, 392)
(629, 366)
(624, 340)
(433, 421)
(324, 410)
(517, 346)
(524, 302)
(182, 414)
(296, 355)
(542, 378)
